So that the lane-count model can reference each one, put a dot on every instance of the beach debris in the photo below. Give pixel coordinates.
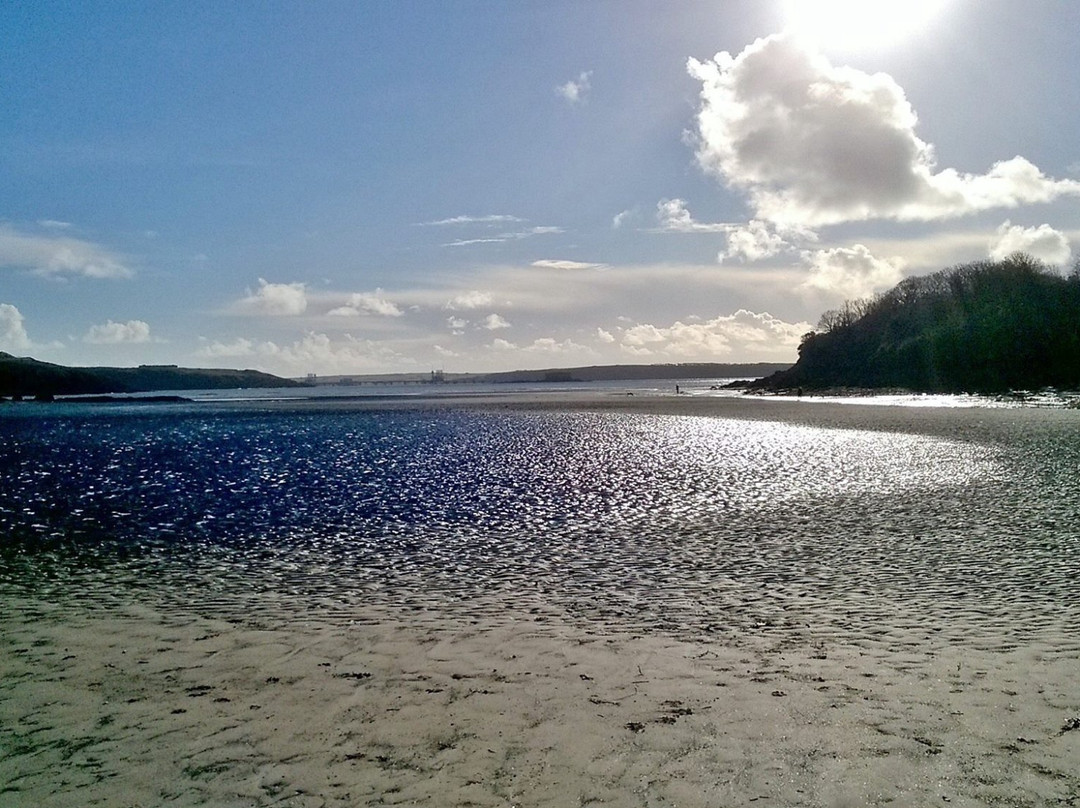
(1070, 725)
(353, 675)
(676, 708)
(635, 726)
(779, 693)
(597, 700)
(932, 748)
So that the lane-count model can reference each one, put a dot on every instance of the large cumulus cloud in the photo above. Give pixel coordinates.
(813, 144)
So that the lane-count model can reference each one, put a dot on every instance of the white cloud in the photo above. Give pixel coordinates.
(557, 264)
(346, 353)
(673, 216)
(314, 352)
(279, 299)
(456, 324)
(491, 218)
(548, 345)
(576, 91)
(445, 352)
(545, 345)
(753, 242)
(133, 331)
(367, 303)
(814, 144)
(744, 334)
(1042, 242)
(621, 218)
(217, 350)
(13, 336)
(515, 235)
(493, 322)
(52, 255)
(851, 272)
(605, 336)
(466, 242)
(474, 299)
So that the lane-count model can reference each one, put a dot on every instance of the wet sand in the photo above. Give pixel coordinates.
(121, 695)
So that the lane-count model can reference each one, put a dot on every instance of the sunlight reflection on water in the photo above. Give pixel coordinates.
(669, 522)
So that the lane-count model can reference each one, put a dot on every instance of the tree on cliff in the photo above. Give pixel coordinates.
(987, 326)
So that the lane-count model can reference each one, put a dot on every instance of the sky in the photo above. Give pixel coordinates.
(480, 185)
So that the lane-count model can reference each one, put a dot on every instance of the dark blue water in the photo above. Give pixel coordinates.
(664, 522)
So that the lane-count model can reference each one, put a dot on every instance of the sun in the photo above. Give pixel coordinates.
(860, 24)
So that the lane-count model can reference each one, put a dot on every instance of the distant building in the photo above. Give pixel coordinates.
(312, 378)
(437, 377)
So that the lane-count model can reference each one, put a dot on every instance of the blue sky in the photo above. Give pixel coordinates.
(400, 186)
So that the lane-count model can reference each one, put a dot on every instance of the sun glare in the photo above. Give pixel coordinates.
(859, 24)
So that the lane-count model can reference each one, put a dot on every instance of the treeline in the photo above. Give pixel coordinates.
(989, 326)
(26, 377)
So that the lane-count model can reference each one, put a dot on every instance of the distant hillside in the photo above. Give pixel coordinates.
(599, 373)
(698, 370)
(23, 376)
(982, 327)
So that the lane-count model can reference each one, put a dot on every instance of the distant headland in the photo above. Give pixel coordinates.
(23, 377)
(985, 327)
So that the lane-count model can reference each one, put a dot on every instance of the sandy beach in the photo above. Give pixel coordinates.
(116, 693)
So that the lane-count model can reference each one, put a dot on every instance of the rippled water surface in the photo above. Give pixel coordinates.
(686, 524)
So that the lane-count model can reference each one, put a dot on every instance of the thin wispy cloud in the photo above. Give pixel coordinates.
(51, 255)
(548, 263)
(494, 218)
(466, 242)
(501, 238)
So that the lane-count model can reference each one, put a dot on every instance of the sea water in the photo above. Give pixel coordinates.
(689, 525)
